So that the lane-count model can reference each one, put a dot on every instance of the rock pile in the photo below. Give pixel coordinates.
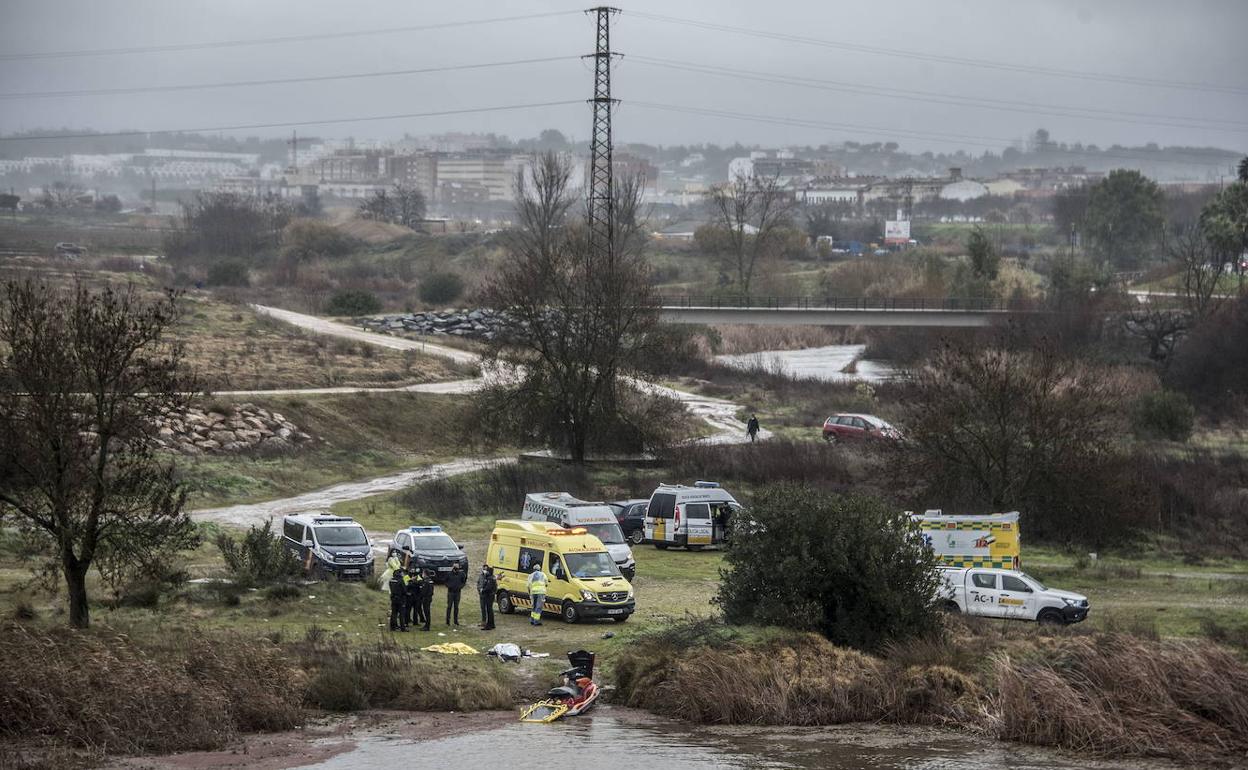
(245, 427)
(482, 323)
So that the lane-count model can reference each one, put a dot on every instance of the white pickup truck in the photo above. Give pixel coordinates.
(1006, 593)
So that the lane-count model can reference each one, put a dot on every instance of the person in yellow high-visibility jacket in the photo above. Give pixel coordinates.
(537, 591)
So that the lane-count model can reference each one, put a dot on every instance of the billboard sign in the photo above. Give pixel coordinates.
(897, 231)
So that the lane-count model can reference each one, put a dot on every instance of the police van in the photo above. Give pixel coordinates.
(329, 545)
(598, 519)
(691, 516)
(582, 580)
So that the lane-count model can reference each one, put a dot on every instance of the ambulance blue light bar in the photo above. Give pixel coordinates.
(424, 530)
(706, 484)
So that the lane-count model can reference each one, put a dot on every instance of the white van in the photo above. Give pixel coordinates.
(693, 517)
(598, 519)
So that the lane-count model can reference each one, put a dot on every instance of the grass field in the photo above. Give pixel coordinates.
(359, 436)
(233, 348)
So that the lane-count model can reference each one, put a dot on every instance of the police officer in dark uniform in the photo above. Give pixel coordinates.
(414, 582)
(398, 600)
(487, 586)
(426, 597)
(454, 584)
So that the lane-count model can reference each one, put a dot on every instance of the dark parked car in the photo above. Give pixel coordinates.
(429, 548)
(852, 427)
(631, 514)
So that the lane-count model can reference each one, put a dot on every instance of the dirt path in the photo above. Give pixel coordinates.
(721, 414)
(718, 413)
(323, 499)
(335, 329)
(451, 387)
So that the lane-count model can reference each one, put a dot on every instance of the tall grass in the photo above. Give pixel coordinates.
(389, 676)
(1110, 695)
(1121, 696)
(102, 692)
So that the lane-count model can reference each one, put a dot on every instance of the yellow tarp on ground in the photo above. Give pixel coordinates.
(451, 648)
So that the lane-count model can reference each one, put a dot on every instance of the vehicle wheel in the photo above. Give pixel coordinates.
(830, 438)
(661, 546)
(504, 603)
(569, 613)
(1050, 617)
(636, 536)
(620, 618)
(952, 608)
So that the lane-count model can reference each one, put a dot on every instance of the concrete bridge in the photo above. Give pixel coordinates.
(834, 311)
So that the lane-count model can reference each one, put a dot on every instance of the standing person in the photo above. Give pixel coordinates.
(487, 586)
(398, 600)
(414, 584)
(426, 597)
(454, 584)
(751, 428)
(537, 592)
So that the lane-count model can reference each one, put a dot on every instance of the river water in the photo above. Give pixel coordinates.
(827, 363)
(625, 739)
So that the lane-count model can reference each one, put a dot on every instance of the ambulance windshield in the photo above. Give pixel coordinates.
(591, 565)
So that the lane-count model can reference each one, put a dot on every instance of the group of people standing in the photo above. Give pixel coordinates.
(411, 595)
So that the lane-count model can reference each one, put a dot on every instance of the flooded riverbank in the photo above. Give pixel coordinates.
(613, 738)
(832, 363)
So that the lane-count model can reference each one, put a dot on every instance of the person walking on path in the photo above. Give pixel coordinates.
(751, 428)
(426, 597)
(537, 591)
(454, 584)
(487, 586)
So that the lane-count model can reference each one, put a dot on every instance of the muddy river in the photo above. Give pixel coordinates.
(620, 739)
(831, 363)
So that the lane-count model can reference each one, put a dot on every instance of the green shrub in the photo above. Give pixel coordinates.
(229, 272)
(441, 288)
(353, 302)
(1163, 414)
(849, 567)
(259, 558)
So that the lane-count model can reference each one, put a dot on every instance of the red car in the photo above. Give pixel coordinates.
(851, 427)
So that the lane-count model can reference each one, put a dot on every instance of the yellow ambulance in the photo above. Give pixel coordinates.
(990, 540)
(583, 580)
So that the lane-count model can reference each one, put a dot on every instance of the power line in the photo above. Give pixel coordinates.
(294, 123)
(273, 40)
(276, 81)
(945, 59)
(1092, 113)
(956, 139)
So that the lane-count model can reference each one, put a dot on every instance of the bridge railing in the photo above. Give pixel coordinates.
(771, 302)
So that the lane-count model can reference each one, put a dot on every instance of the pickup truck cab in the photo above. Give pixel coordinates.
(1007, 593)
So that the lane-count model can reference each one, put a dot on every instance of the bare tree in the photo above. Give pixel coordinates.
(1201, 271)
(581, 316)
(83, 376)
(1014, 430)
(1162, 325)
(752, 210)
(400, 205)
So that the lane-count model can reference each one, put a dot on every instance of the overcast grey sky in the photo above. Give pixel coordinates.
(1192, 41)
